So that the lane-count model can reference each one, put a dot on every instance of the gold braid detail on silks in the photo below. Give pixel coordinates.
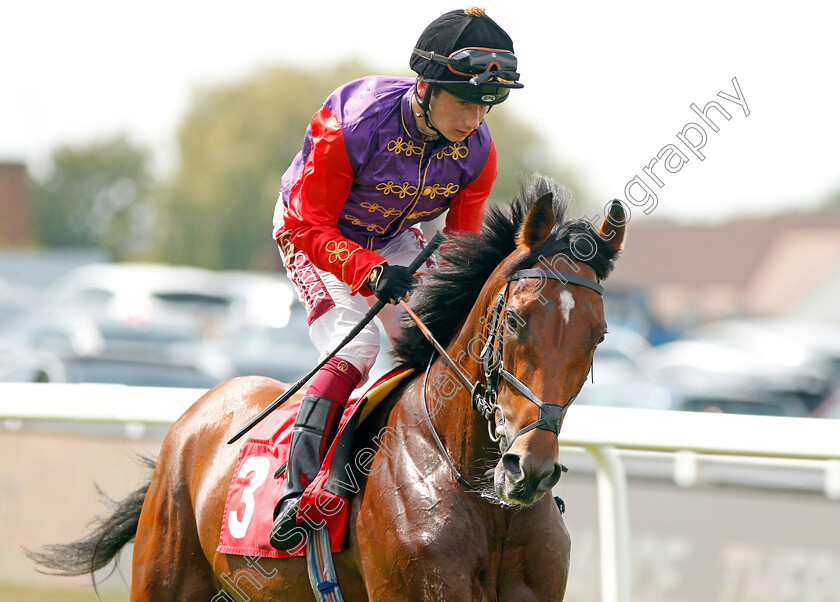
(456, 151)
(338, 251)
(398, 145)
(417, 214)
(474, 11)
(402, 190)
(376, 207)
(435, 190)
(368, 226)
(286, 246)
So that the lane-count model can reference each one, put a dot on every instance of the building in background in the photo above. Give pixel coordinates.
(785, 265)
(17, 223)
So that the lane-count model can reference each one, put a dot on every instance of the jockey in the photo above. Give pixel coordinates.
(381, 155)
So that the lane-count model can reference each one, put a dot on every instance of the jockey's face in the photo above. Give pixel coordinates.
(454, 118)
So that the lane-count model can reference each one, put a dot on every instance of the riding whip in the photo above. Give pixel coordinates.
(375, 309)
(459, 374)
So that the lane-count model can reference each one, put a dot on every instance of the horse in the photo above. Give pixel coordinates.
(458, 510)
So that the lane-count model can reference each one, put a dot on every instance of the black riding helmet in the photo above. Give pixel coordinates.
(467, 54)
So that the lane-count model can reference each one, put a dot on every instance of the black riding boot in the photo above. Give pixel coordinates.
(316, 419)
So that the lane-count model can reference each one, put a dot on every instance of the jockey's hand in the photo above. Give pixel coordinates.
(390, 283)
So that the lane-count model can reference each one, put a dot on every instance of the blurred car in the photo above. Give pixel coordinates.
(630, 308)
(214, 302)
(830, 408)
(690, 375)
(74, 346)
(712, 397)
(287, 353)
(635, 393)
(792, 343)
(820, 339)
(739, 361)
(615, 358)
(257, 299)
(43, 367)
(14, 301)
(739, 401)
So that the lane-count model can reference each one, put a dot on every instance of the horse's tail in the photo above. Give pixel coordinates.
(110, 534)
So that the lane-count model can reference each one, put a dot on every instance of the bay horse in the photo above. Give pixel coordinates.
(458, 510)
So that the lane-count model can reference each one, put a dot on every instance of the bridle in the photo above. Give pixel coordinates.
(485, 395)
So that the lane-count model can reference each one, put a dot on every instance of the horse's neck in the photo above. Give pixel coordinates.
(462, 430)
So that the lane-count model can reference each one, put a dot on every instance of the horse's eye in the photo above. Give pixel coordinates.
(514, 321)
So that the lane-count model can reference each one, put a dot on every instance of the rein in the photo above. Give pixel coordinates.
(484, 396)
(440, 445)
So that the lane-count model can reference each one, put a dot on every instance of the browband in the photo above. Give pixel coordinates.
(563, 277)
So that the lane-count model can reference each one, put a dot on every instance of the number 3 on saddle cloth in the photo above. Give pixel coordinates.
(258, 478)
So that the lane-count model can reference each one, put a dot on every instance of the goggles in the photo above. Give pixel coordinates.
(469, 62)
(491, 72)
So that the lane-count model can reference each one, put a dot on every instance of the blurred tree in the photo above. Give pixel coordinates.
(96, 195)
(832, 202)
(237, 140)
(235, 143)
(521, 152)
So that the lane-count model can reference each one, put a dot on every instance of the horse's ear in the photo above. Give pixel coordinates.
(612, 230)
(538, 223)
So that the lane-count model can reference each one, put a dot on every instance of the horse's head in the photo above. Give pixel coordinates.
(519, 308)
(545, 323)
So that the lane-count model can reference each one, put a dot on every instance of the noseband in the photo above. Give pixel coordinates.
(485, 395)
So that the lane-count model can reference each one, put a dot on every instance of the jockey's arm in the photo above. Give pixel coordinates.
(315, 204)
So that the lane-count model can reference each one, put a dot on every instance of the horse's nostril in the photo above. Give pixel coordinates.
(511, 464)
(550, 481)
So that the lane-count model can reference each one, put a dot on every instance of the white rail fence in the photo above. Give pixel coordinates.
(603, 432)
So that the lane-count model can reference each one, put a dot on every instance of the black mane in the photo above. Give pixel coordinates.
(466, 261)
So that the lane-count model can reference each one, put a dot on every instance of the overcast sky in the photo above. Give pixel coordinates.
(609, 83)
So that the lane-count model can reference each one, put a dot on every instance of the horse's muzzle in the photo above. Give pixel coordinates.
(522, 480)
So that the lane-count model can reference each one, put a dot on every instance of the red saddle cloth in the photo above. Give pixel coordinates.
(254, 490)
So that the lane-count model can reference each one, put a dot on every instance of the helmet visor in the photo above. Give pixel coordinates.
(485, 94)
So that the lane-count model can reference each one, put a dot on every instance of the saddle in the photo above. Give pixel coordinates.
(258, 477)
